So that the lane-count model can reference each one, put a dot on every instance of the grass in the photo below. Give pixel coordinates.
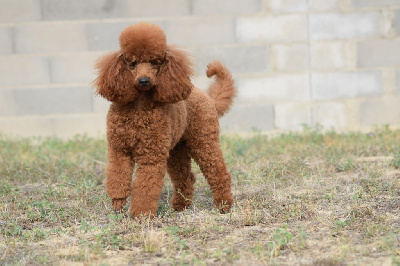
(307, 198)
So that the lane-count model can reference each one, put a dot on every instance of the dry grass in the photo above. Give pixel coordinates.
(306, 199)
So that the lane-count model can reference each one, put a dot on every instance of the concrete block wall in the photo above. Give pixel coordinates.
(330, 62)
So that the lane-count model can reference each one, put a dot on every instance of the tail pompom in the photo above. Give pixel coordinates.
(222, 90)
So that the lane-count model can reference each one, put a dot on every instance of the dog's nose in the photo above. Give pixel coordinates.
(144, 82)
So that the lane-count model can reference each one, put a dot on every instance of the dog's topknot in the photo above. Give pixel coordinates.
(143, 40)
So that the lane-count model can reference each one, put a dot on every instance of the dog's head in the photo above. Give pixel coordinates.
(145, 64)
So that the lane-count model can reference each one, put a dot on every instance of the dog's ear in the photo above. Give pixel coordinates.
(173, 81)
(115, 81)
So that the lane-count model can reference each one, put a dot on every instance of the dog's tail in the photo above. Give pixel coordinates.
(222, 90)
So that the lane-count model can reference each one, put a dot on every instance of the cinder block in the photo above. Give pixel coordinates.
(19, 10)
(6, 40)
(396, 21)
(325, 5)
(63, 126)
(389, 79)
(274, 88)
(331, 115)
(388, 24)
(93, 125)
(26, 126)
(105, 36)
(380, 111)
(97, 9)
(7, 103)
(19, 70)
(379, 53)
(247, 118)
(219, 7)
(328, 86)
(277, 28)
(341, 26)
(292, 116)
(241, 60)
(291, 57)
(72, 9)
(74, 68)
(398, 81)
(328, 55)
(288, 5)
(152, 8)
(50, 37)
(199, 31)
(58, 100)
(375, 3)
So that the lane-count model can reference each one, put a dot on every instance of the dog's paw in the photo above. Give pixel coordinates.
(225, 209)
(224, 206)
(180, 207)
(180, 204)
(142, 214)
(118, 204)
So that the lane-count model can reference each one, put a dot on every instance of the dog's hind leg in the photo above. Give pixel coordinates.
(182, 177)
(208, 155)
(119, 177)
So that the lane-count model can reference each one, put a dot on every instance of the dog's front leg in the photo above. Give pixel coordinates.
(147, 188)
(119, 177)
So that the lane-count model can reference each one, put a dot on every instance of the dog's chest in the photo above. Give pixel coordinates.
(146, 130)
(130, 128)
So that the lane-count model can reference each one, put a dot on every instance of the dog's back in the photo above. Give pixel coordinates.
(204, 108)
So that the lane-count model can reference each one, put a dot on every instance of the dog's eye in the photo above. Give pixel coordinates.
(132, 64)
(155, 62)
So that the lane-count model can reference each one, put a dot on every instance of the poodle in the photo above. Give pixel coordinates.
(159, 121)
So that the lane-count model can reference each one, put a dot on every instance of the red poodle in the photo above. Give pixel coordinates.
(159, 121)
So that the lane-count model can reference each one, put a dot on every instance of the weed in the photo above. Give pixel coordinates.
(86, 227)
(42, 259)
(36, 234)
(11, 229)
(395, 162)
(301, 238)
(279, 240)
(175, 242)
(375, 230)
(390, 242)
(152, 240)
(197, 261)
(107, 238)
(250, 214)
(42, 209)
(164, 209)
(227, 252)
(396, 259)
(259, 250)
(116, 217)
(339, 225)
(346, 165)
(5, 188)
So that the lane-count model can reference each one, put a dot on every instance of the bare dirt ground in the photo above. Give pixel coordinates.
(300, 199)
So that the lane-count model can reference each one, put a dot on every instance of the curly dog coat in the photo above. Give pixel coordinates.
(159, 121)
